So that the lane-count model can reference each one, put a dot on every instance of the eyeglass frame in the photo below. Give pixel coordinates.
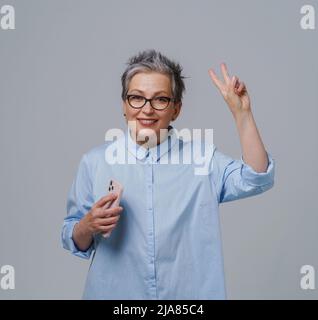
(150, 101)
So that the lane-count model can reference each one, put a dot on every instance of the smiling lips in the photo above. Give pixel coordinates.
(147, 122)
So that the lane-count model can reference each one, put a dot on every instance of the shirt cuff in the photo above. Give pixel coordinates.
(259, 178)
(69, 244)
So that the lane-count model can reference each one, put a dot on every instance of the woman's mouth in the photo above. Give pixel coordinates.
(147, 122)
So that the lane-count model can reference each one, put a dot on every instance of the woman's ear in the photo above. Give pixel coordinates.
(124, 108)
(177, 109)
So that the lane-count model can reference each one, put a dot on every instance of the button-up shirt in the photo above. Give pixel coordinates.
(167, 242)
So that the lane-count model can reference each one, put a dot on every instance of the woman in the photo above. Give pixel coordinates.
(165, 240)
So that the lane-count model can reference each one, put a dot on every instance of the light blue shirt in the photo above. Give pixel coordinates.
(167, 242)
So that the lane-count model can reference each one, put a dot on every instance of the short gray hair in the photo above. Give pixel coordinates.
(152, 60)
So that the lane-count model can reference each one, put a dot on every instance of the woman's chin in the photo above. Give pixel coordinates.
(147, 135)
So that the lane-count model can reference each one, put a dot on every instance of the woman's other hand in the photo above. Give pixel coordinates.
(100, 219)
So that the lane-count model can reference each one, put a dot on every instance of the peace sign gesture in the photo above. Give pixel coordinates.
(233, 91)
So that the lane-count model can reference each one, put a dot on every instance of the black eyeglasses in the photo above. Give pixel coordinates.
(158, 103)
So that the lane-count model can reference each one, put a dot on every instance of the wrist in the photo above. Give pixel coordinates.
(83, 227)
(243, 117)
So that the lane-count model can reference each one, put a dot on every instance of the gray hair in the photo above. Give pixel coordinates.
(152, 60)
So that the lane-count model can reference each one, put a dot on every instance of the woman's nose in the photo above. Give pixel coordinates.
(147, 108)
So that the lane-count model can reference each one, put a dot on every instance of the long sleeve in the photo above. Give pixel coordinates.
(234, 179)
(79, 202)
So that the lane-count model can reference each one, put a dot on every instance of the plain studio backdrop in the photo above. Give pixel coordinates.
(60, 92)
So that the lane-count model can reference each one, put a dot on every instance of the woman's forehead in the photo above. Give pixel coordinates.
(150, 82)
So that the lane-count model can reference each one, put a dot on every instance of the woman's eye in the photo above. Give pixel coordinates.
(162, 99)
(137, 98)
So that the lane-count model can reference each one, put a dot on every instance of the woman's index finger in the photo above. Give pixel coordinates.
(103, 200)
(215, 79)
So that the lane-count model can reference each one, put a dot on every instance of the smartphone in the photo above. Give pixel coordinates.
(113, 187)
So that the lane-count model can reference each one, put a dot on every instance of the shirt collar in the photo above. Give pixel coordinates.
(155, 152)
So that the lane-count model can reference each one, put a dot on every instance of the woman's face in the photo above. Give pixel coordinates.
(149, 85)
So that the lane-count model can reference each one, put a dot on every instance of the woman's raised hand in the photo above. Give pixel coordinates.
(233, 91)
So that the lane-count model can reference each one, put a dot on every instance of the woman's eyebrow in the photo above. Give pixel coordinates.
(161, 91)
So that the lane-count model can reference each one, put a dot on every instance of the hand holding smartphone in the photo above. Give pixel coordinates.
(117, 188)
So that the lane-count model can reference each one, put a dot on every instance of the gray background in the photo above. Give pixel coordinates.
(60, 91)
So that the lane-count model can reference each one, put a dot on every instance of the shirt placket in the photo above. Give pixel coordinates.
(150, 233)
